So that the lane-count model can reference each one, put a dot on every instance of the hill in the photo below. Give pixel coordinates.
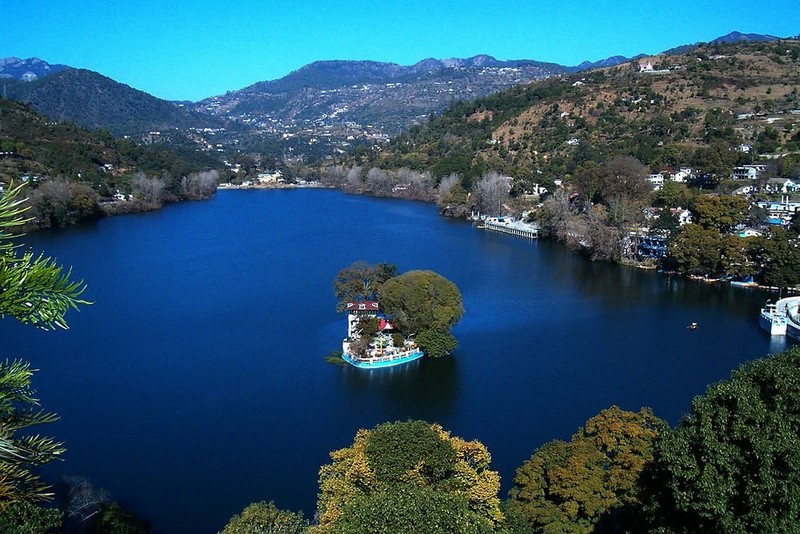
(384, 98)
(62, 162)
(92, 100)
(670, 113)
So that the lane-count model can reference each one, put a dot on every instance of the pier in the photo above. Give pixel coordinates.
(782, 318)
(511, 226)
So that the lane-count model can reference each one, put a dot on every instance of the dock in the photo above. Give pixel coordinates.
(510, 226)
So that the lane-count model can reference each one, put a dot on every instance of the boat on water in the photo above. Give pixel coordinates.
(773, 320)
(382, 353)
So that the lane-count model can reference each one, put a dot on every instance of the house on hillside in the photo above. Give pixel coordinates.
(682, 175)
(781, 185)
(656, 180)
(747, 172)
(270, 177)
(780, 213)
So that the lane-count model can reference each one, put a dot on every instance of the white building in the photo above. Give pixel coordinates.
(748, 172)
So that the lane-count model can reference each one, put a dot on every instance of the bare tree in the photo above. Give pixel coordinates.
(83, 500)
(150, 190)
(379, 182)
(199, 185)
(445, 185)
(353, 180)
(414, 185)
(492, 191)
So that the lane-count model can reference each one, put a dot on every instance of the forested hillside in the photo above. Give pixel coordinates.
(92, 100)
(73, 173)
(693, 109)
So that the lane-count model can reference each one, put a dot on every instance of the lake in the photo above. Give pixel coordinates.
(196, 382)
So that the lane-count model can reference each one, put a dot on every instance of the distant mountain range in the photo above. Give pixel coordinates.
(368, 93)
(27, 70)
(334, 102)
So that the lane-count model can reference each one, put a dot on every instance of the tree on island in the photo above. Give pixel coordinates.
(420, 304)
(33, 290)
(426, 304)
(360, 281)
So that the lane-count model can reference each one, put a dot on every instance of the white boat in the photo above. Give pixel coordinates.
(772, 320)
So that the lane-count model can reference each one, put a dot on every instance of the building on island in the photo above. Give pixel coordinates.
(381, 350)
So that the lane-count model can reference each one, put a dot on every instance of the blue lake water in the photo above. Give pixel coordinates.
(196, 383)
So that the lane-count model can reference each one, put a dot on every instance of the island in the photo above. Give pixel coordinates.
(394, 319)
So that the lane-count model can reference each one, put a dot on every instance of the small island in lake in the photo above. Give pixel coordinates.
(394, 319)
(384, 348)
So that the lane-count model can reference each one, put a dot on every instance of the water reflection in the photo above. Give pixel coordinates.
(423, 389)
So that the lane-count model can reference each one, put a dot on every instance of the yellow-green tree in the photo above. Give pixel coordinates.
(265, 518)
(571, 487)
(423, 303)
(408, 462)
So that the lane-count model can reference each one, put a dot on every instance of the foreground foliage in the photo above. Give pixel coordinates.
(733, 464)
(400, 476)
(33, 290)
(571, 487)
(265, 518)
(27, 518)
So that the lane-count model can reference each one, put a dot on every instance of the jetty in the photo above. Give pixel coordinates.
(782, 318)
(510, 226)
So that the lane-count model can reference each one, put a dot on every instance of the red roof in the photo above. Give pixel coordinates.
(364, 305)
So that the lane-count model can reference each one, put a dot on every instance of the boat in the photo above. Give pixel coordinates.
(773, 320)
(382, 353)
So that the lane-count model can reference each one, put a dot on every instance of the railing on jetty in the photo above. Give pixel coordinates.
(507, 225)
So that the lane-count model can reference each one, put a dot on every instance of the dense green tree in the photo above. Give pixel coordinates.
(672, 195)
(437, 343)
(409, 509)
(112, 518)
(718, 159)
(33, 290)
(721, 212)
(423, 303)
(29, 518)
(437, 474)
(732, 465)
(266, 518)
(361, 281)
(778, 256)
(571, 487)
(695, 250)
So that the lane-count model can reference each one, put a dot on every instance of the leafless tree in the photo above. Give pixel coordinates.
(379, 182)
(445, 185)
(83, 500)
(150, 190)
(492, 190)
(413, 184)
(199, 185)
(353, 180)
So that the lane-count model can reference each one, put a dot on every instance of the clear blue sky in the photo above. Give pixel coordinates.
(191, 50)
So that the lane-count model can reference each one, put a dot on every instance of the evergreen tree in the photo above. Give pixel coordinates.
(33, 290)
